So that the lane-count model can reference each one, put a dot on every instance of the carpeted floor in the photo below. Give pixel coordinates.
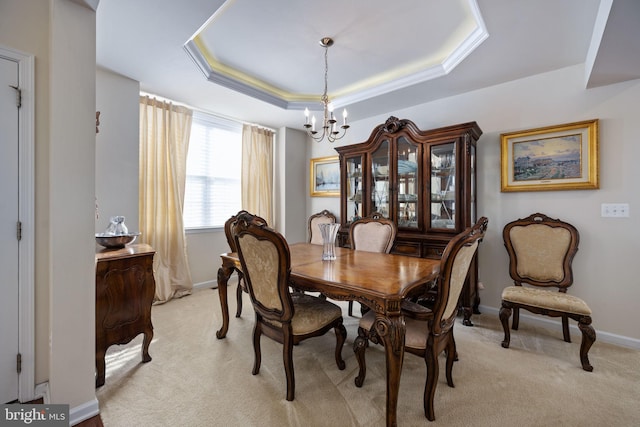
(196, 380)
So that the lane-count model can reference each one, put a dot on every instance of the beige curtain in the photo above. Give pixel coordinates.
(257, 171)
(164, 140)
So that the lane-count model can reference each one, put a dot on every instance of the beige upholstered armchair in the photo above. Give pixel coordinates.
(228, 232)
(541, 250)
(429, 332)
(324, 217)
(282, 316)
(372, 234)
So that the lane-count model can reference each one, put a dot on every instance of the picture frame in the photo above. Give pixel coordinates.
(561, 157)
(324, 177)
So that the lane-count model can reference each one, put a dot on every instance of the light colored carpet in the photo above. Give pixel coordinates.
(196, 380)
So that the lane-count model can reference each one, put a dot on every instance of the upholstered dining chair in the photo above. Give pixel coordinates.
(429, 332)
(374, 233)
(541, 252)
(323, 217)
(228, 232)
(283, 316)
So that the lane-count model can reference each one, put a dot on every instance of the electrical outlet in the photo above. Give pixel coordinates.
(614, 210)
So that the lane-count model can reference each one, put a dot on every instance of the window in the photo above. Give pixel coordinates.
(214, 160)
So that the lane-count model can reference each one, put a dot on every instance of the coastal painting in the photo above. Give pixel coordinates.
(324, 179)
(563, 157)
(549, 158)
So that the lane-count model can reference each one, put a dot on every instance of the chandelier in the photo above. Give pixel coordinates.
(329, 122)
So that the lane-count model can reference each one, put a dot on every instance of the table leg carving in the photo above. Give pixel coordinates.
(223, 277)
(391, 330)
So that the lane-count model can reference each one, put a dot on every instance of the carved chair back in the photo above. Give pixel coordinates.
(454, 268)
(324, 217)
(266, 265)
(230, 223)
(541, 250)
(373, 234)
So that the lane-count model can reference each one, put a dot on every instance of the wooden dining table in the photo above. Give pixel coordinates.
(379, 281)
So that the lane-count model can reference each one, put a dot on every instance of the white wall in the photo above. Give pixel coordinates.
(71, 189)
(603, 267)
(291, 189)
(61, 36)
(117, 149)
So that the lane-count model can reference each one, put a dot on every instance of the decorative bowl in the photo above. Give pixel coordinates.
(115, 241)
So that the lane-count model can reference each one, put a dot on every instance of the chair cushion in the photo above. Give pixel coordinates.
(543, 298)
(415, 335)
(310, 314)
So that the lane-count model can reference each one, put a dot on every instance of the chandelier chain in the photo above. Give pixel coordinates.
(329, 123)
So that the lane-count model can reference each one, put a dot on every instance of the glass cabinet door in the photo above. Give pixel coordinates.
(472, 194)
(407, 172)
(380, 180)
(443, 186)
(354, 188)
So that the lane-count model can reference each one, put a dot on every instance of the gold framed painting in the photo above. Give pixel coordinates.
(562, 157)
(324, 179)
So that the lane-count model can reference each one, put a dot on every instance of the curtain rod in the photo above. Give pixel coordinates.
(162, 98)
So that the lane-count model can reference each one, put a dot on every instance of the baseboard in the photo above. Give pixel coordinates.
(42, 392)
(555, 323)
(213, 284)
(78, 414)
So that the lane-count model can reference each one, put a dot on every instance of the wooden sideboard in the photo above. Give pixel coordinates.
(125, 288)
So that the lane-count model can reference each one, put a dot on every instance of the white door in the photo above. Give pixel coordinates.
(8, 231)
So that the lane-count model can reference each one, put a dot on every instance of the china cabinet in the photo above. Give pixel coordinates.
(425, 181)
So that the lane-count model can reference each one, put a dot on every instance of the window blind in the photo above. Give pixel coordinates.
(212, 192)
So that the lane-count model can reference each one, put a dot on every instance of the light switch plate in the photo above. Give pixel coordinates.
(614, 210)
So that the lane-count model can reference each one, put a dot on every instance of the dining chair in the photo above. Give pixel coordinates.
(228, 232)
(374, 233)
(281, 315)
(429, 332)
(323, 217)
(541, 252)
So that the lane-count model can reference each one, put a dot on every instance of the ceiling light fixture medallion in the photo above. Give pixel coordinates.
(329, 122)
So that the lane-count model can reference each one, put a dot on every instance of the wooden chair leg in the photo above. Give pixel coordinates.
(451, 357)
(516, 319)
(341, 337)
(360, 344)
(257, 331)
(588, 338)
(431, 359)
(288, 365)
(565, 328)
(239, 291)
(505, 313)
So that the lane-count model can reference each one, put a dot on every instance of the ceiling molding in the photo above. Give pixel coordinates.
(251, 85)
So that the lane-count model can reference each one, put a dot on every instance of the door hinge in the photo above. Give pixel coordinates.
(19, 363)
(18, 95)
(19, 230)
